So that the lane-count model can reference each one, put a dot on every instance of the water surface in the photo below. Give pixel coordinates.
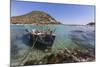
(66, 37)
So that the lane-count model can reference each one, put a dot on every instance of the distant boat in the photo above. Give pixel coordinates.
(45, 39)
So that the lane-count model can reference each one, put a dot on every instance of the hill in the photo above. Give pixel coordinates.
(91, 24)
(34, 17)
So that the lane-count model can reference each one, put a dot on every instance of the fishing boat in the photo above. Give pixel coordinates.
(42, 39)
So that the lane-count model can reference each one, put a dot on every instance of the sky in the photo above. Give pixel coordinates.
(64, 13)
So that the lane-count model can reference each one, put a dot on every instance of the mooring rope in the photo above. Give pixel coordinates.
(27, 54)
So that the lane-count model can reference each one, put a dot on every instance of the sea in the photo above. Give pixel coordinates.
(67, 36)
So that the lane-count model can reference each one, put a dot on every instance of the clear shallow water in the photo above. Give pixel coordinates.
(66, 37)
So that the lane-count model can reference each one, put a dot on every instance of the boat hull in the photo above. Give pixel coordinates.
(43, 42)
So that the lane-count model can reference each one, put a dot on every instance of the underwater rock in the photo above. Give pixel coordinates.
(30, 62)
(64, 56)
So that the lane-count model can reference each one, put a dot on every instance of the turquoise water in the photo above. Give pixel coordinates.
(66, 37)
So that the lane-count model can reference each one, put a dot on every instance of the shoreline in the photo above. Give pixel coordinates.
(55, 24)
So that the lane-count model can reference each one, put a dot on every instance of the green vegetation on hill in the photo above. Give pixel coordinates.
(33, 17)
